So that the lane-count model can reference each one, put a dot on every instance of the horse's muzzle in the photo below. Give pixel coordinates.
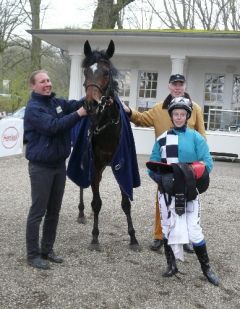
(91, 107)
(94, 107)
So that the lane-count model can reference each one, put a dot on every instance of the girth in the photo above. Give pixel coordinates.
(184, 187)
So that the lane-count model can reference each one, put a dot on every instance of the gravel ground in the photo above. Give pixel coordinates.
(117, 277)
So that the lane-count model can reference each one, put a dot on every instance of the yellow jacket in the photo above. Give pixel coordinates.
(158, 118)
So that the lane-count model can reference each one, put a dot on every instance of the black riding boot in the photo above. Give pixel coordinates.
(171, 262)
(201, 252)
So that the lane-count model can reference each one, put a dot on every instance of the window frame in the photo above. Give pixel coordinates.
(147, 95)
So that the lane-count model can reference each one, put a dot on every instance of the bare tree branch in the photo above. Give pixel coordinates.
(11, 17)
(198, 14)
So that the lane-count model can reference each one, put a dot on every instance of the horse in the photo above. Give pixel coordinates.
(107, 127)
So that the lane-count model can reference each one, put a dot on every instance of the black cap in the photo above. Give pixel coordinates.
(177, 78)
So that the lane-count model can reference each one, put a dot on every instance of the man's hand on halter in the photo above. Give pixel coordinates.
(125, 107)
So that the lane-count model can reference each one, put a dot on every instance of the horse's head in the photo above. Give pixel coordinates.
(100, 77)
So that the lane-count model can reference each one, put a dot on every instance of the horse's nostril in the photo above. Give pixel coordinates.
(90, 106)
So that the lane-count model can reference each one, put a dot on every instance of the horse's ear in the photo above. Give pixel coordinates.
(87, 49)
(110, 50)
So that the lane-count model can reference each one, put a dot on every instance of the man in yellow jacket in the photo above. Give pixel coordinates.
(158, 118)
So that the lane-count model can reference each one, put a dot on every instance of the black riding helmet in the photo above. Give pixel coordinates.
(180, 103)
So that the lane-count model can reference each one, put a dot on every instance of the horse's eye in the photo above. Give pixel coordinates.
(106, 73)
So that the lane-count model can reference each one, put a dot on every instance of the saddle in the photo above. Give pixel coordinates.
(182, 180)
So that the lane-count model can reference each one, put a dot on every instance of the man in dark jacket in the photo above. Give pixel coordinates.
(47, 124)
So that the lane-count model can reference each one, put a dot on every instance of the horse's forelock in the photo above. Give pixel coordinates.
(97, 56)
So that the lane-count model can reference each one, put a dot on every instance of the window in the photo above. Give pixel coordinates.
(212, 121)
(124, 82)
(236, 92)
(214, 89)
(147, 90)
(223, 120)
(213, 98)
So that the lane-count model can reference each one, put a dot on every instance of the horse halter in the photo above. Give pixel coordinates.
(97, 111)
(93, 85)
(97, 106)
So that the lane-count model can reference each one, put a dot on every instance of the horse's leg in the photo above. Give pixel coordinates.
(126, 206)
(81, 217)
(96, 207)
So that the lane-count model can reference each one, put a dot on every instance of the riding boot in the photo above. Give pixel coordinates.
(201, 252)
(171, 262)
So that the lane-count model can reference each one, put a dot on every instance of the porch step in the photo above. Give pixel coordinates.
(224, 156)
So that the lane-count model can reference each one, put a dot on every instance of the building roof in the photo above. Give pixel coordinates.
(191, 43)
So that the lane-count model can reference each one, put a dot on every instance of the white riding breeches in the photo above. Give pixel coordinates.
(181, 229)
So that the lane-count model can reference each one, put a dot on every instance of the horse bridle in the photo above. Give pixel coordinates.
(94, 85)
(99, 107)
(104, 103)
(100, 104)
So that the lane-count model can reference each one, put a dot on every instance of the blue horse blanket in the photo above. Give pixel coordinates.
(124, 162)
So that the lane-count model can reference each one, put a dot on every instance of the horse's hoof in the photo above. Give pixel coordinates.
(94, 247)
(135, 247)
(81, 220)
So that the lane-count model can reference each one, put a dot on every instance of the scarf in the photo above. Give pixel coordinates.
(168, 142)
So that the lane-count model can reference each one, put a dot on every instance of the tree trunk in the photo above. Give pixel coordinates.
(36, 43)
(106, 15)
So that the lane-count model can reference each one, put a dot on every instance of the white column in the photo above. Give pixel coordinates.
(178, 64)
(133, 87)
(75, 87)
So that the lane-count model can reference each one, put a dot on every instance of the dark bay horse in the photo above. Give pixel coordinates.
(104, 139)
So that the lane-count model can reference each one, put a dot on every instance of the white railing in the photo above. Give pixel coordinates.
(223, 120)
(222, 144)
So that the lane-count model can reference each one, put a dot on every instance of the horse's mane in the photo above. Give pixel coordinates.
(98, 56)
